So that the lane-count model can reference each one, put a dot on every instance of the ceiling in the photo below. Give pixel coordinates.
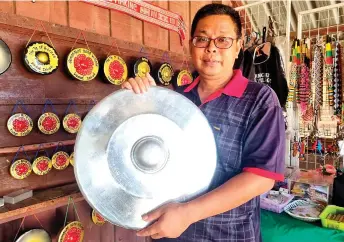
(255, 17)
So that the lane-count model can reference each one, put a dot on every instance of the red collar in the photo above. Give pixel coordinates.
(235, 87)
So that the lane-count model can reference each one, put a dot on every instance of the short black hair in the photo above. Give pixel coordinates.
(217, 9)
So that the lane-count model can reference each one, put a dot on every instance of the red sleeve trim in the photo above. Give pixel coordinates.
(265, 173)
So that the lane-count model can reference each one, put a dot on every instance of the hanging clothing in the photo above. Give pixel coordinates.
(270, 72)
(337, 79)
(318, 74)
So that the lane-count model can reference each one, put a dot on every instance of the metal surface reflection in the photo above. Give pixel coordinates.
(135, 152)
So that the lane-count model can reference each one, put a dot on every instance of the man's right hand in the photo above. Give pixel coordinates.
(139, 84)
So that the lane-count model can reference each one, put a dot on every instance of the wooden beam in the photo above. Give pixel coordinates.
(11, 150)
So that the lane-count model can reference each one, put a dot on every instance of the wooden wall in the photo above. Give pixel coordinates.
(63, 21)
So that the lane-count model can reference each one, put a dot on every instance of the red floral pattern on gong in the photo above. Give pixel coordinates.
(116, 70)
(42, 165)
(49, 123)
(22, 169)
(73, 235)
(61, 160)
(83, 65)
(73, 122)
(20, 124)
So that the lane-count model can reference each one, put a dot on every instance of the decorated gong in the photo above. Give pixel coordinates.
(115, 70)
(71, 159)
(60, 160)
(19, 124)
(72, 232)
(41, 58)
(5, 57)
(183, 78)
(41, 165)
(165, 74)
(71, 123)
(82, 64)
(97, 218)
(35, 235)
(20, 169)
(142, 66)
(145, 150)
(48, 123)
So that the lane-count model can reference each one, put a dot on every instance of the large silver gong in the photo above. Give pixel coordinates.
(135, 152)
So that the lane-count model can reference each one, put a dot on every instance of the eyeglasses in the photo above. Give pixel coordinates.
(220, 42)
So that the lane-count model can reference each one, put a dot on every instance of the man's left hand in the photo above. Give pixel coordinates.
(171, 221)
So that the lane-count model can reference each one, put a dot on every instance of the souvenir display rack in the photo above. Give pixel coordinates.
(53, 190)
(315, 141)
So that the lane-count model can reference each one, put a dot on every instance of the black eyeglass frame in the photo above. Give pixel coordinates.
(193, 39)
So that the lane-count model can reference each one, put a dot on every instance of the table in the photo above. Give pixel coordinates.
(284, 228)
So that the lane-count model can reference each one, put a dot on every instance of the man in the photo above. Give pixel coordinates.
(249, 131)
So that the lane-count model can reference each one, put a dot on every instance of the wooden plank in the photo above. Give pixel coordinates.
(9, 150)
(40, 202)
(10, 21)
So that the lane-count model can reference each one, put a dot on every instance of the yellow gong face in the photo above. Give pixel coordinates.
(143, 68)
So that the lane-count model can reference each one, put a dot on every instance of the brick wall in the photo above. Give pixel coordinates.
(110, 23)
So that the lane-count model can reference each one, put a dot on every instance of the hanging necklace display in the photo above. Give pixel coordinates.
(33, 234)
(337, 80)
(19, 124)
(82, 64)
(73, 231)
(328, 78)
(71, 121)
(115, 69)
(184, 76)
(163, 75)
(21, 168)
(41, 165)
(97, 218)
(48, 122)
(318, 74)
(5, 57)
(40, 57)
(60, 159)
(142, 66)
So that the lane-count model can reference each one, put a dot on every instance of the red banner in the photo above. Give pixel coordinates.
(146, 12)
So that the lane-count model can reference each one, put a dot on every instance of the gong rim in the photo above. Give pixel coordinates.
(6, 55)
(101, 182)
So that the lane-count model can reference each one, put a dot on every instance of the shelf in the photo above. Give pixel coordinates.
(41, 201)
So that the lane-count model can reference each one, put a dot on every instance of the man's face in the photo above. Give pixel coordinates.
(212, 62)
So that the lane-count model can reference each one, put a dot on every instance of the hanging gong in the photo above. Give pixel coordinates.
(142, 66)
(19, 124)
(115, 70)
(71, 159)
(82, 64)
(183, 78)
(35, 235)
(148, 149)
(164, 74)
(48, 123)
(72, 232)
(5, 57)
(60, 160)
(41, 165)
(71, 123)
(20, 169)
(41, 58)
